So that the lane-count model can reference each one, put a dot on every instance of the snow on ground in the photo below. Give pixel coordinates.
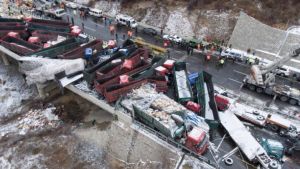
(13, 91)
(108, 7)
(178, 24)
(295, 30)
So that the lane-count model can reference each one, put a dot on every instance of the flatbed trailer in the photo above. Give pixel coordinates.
(245, 141)
(18, 46)
(283, 92)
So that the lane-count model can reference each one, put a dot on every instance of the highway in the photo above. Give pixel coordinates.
(230, 76)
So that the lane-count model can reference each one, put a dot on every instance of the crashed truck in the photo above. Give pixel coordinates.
(166, 116)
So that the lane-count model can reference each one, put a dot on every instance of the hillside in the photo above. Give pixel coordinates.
(201, 18)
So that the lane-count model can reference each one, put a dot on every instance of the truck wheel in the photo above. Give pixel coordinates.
(260, 118)
(259, 90)
(273, 164)
(273, 127)
(251, 87)
(284, 98)
(228, 161)
(293, 101)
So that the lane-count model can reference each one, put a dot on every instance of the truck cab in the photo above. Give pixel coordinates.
(274, 148)
(197, 140)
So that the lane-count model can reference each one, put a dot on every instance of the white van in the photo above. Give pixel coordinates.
(126, 20)
(233, 54)
(96, 13)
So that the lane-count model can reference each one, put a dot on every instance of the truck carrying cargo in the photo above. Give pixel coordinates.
(57, 49)
(54, 28)
(124, 65)
(18, 46)
(163, 114)
(181, 83)
(79, 52)
(114, 92)
(102, 83)
(45, 35)
(47, 22)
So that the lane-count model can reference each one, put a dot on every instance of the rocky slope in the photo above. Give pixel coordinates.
(202, 18)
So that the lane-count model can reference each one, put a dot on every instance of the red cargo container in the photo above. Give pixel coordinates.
(18, 46)
(137, 59)
(102, 83)
(79, 51)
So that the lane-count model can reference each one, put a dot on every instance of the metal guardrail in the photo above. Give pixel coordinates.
(176, 144)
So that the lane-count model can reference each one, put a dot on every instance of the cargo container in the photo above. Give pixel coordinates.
(181, 84)
(79, 51)
(57, 49)
(18, 46)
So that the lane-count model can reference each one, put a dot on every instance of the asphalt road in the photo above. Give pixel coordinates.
(230, 76)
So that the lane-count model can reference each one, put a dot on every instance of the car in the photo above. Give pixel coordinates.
(71, 5)
(282, 71)
(232, 54)
(95, 12)
(173, 38)
(150, 31)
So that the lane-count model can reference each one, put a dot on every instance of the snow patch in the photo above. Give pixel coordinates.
(108, 7)
(178, 24)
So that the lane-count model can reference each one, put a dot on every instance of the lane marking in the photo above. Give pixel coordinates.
(240, 72)
(235, 80)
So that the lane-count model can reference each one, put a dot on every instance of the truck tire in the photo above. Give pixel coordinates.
(293, 101)
(284, 98)
(260, 117)
(273, 127)
(228, 161)
(259, 90)
(273, 164)
(251, 87)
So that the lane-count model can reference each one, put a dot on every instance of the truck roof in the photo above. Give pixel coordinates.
(196, 135)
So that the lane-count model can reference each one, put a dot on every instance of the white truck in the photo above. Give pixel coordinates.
(245, 141)
(262, 80)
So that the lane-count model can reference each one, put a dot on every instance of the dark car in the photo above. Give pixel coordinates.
(150, 31)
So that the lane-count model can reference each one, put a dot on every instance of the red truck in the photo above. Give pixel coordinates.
(79, 51)
(197, 140)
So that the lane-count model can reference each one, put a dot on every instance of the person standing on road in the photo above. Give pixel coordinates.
(161, 31)
(116, 36)
(82, 24)
(72, 19)
(124, 36)
(68, 19)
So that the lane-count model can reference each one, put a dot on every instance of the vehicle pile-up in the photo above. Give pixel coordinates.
(156, 91)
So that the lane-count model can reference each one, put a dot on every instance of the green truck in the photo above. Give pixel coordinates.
(274, 148)
(161, 115)
(183, 90)
(204, 96)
